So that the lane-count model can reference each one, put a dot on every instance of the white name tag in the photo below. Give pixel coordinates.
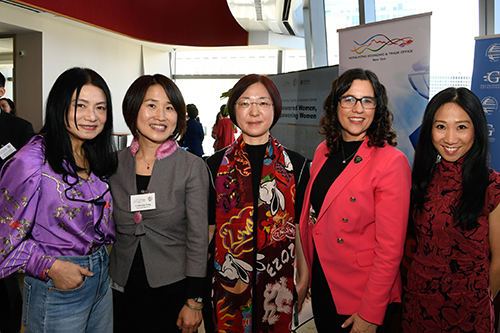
(140, 202)
(6, 151)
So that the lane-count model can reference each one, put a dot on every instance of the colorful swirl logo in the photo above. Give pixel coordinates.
(377, 42)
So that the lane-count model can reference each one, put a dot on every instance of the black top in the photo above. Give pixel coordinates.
(142, 183)
(256, 157)
(329, 172)
(332, 168)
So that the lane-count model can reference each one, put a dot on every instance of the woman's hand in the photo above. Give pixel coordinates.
(66, 275)
(189, 320)
(359, 324)
(302, 286)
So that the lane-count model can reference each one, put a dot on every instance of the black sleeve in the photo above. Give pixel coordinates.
(213, 163)
(301, 174)
(27, 133)
(195, 287)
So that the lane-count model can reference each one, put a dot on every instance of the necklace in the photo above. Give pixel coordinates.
(343, 155)
(148, 163)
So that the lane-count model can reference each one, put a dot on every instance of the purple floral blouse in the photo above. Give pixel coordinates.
(42, 216)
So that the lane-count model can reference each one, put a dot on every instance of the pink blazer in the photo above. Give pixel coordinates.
(360, 231)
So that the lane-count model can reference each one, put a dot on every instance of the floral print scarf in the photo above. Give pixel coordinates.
(253, 277)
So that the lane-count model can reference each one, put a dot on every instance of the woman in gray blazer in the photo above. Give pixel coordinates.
(160, 192)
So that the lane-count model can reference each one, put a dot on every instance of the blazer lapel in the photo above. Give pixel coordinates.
(357, 164)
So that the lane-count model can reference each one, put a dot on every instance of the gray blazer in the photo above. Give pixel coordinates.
(174, 236)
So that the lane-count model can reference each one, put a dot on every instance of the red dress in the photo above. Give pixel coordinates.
(448, 287)
(225, 133)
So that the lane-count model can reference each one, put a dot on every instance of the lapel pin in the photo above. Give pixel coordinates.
(357, 159)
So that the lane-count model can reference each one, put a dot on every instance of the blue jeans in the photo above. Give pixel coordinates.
(88, 308)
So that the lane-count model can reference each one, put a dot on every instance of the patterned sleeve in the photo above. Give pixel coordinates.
(493, 192)
(19, 186)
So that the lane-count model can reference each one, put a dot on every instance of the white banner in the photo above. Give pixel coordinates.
(398, 52)
(302, 94)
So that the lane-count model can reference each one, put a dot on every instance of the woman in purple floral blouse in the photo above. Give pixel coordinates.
(56, 210)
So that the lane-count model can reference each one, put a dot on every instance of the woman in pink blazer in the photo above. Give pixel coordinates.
(355, 214)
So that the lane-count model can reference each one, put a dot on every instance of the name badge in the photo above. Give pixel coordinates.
(7, 150)
(140, 202)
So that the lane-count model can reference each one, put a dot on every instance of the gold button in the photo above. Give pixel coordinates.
(353, 199)
(340, 240)
(345, 220)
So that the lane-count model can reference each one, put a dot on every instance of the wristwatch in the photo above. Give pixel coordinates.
(197, 299)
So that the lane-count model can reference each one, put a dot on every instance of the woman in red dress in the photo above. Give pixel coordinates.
(455, 274)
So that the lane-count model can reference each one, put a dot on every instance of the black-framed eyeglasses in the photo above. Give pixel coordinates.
(349, 102)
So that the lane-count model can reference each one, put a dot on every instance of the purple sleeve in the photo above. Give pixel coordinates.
(19, 186)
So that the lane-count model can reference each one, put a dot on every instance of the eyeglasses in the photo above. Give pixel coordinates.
(349, 102)
(261, 104)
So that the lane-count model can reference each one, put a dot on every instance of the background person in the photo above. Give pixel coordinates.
(8, 106)
(56, 210)
(455, 273)
(255, 202)
(194, 135)
(353, 224)
(215, 128)
(225, 130)
(14, 133)
(158, 263)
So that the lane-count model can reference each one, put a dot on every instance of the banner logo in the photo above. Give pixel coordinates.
(490, 104)
(491, 129)
(493, 52)
(377, 42)
(492, 77)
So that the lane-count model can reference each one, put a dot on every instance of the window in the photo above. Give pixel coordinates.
(339, 14)
(454, 25)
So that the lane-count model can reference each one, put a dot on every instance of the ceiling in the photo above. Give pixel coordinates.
(189, 23)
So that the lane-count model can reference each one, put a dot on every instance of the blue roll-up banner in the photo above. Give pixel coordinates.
(486, 85)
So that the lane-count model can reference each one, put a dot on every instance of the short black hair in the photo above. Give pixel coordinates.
(192, 111)
(135, 96)
(2, 80)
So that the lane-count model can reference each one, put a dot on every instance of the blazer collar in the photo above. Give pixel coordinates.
(358, 163)
(165, 149)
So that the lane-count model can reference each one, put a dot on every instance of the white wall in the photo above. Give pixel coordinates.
(67, 44)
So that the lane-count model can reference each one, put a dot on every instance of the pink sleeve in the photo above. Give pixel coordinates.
(392, 200)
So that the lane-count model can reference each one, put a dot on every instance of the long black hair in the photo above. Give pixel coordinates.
(475, 171)
(58, 149)
(380, 131)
